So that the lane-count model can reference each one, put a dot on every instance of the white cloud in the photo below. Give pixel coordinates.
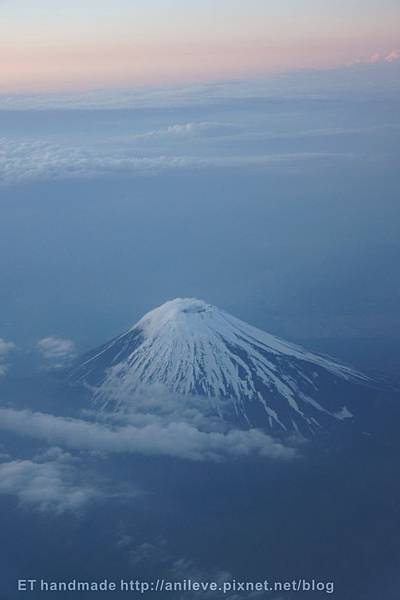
(56, 350)
(205, 128)
(179, 439)
(154, 405)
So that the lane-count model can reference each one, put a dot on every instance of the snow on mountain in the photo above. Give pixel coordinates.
(191, 348)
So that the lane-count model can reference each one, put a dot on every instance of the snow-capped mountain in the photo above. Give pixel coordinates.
(193, 349)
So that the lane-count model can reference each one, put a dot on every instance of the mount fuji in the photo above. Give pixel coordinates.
(190, 348)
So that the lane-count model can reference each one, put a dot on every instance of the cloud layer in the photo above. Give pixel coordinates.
(41, 160)
(230, 124)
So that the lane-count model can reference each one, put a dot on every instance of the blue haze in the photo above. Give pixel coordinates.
(282, 208)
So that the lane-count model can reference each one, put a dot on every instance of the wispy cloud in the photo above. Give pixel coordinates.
(161, 557)
(197, 129)
(6, 348)
(56, 351)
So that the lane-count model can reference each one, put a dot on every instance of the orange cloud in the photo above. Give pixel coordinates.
(393, 56)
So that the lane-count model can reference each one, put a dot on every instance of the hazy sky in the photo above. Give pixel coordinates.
(50, 44)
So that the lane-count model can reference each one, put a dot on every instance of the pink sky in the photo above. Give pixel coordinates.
(97, 46)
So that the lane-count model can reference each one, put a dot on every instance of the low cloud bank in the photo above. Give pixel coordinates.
(45, 485)
(55, 481)
(179, 439)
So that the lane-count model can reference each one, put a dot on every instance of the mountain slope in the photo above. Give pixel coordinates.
(192, 348)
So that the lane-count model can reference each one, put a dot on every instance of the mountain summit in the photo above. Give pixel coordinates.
(191, 348)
